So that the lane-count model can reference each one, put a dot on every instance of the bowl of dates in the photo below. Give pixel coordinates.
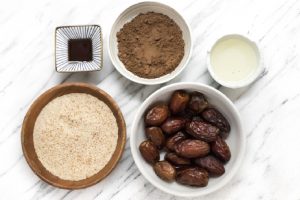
(187, 139)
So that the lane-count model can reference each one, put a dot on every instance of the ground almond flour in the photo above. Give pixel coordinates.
(75, 136)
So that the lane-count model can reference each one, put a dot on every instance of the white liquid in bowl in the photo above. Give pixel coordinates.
(234, 59)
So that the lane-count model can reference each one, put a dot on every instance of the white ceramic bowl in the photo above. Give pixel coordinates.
(252, 77)
(235, 140)
(125, 17)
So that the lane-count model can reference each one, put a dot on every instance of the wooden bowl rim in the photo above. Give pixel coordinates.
(34, 163)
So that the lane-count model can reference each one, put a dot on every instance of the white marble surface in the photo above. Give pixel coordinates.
(270, 108)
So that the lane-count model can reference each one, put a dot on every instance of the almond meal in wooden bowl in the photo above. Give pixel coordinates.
(73, 135)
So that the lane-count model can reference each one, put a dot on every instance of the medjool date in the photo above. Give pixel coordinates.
(179, 101)
(156, 135)
(149, 152)
(216, 118)
(211, 164)
(192, 148)
(202, 130)
(157, 115)
(197, 102)
(165, 171)
(221, 149)
(173, 125)
(193, 177)
(172, 141)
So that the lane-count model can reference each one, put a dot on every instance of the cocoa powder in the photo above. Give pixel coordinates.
(151, 45)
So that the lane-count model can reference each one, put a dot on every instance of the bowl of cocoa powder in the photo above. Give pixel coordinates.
(150, 43)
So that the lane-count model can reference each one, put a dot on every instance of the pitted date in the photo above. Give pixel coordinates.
(193, 177)
(157, 115)
(173, 140)
(165, 171)
(149, 152)
(202, 130)
(198, 102)
(216, 118)
(192, 148)
(156, 135)
(173, 125)
(221, 149)
(211, 164)
(179, 101)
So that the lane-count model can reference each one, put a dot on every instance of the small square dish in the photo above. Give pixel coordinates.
(78, 48)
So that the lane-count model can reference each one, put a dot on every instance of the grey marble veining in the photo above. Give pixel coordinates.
(270, 108)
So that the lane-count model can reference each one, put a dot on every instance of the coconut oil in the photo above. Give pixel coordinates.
(234, 59)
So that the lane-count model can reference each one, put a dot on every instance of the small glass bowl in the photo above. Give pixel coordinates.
(65, 33)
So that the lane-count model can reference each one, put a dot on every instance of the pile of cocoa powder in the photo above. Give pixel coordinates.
(151, 45)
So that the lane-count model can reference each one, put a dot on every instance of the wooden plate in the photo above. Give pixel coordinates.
(27, 134)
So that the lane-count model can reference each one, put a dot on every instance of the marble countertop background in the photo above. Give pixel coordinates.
(270, 108)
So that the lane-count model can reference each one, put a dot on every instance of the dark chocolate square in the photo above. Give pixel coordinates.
(80, 50)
